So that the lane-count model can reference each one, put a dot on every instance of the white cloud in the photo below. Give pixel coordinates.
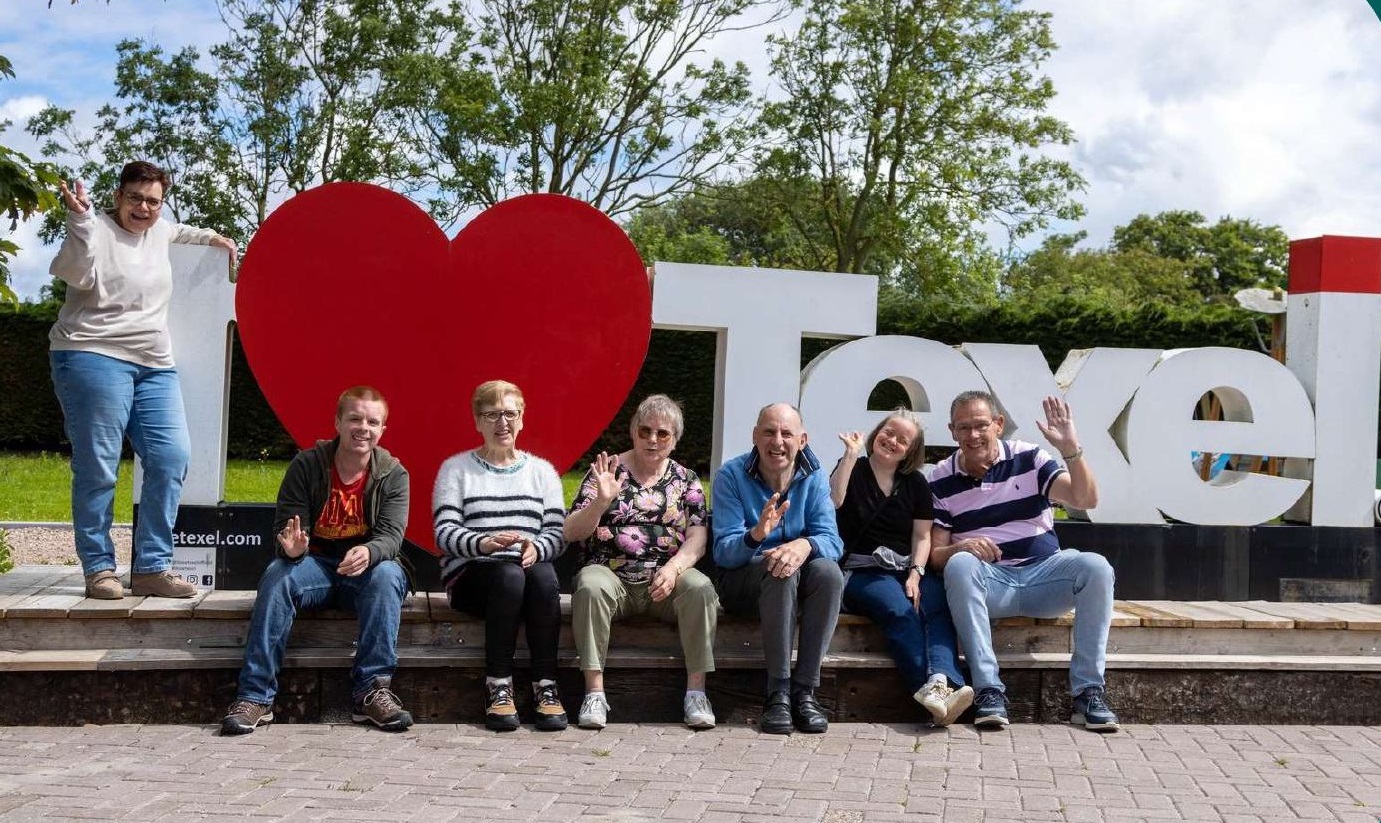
(1266, 109)
(22, 108)
(29, 270)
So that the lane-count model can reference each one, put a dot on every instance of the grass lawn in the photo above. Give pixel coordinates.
(38, 486)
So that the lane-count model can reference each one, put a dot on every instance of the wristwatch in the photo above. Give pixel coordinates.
(918, 568)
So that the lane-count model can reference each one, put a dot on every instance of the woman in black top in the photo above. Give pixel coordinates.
(884, 510)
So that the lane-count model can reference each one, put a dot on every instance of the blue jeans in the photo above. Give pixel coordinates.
(979, 592)
(103, 401)
(922, 644)
(376, 596)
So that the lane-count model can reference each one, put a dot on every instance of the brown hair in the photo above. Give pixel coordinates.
(360, 393)
(142, 171)
(493, 392)
(916, 453)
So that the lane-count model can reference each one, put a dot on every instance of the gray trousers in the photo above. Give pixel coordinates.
(751, 591)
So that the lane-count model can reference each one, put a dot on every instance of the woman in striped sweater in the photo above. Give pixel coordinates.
(498, 514)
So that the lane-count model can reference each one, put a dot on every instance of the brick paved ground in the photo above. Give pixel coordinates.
(628, 772)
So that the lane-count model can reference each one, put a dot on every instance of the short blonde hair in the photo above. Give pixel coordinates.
(360, 393)
(658, 405)
(492, 392)
(915, 455)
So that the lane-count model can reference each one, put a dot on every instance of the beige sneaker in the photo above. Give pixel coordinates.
(104, 586)
(160, 584)
(944, 704)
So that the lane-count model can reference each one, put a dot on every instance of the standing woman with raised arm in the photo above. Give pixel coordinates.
(498, 514)
(884, 511)
(112, 362)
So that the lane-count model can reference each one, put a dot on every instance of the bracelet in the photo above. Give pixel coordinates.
(1078, 453)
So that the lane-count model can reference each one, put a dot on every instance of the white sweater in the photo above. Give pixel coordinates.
(118, 288)
(472, 499)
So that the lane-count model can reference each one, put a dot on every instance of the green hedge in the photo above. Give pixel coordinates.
(680, 364)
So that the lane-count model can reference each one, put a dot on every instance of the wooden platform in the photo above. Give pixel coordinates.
(75, 660)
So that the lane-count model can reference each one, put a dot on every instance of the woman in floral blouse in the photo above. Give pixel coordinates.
(642, 523)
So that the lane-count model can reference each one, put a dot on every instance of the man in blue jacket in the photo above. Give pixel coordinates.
(778, 549)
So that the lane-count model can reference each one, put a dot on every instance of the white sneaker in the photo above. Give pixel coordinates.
(944, 704)
(699, 715)
(594, 712)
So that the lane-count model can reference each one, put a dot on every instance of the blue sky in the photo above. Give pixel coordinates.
(1262, 109)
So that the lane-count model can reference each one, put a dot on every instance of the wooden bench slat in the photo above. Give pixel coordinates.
(1303, 614)
(1120, 618)
(1152, 617)
(92, 608)
(44, 605)
(168, 608)
(1359, 616)
(1200, 617)
(48, 660)
(1251, 618)
(221, 605)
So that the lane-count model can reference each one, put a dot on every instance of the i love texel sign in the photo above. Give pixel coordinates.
(350, 283)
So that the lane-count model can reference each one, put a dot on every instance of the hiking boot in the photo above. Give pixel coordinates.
(160, 584)
(776, 714)
(244, 717)
(807, 714)
(551, 715)
(1091, 710)
(698, 713)
(594, 711)
(501, 715)
(944, 703)
(381, 707)
(104, 586)
(992, 708)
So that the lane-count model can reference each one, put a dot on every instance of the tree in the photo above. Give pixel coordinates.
(298, 95)
(170, 116)
(913, 125)
(1230, 255)
(734, 224)
(1058, 270)
(26, 188)
(310, 89)
(597, 99)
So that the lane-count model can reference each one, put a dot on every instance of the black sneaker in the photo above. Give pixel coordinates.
(1091, 710)
(244, 717)
(992, 708)
(776, 714)
(551, 715)
(382, 708)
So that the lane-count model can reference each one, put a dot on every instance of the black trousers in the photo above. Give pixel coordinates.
(504, 595)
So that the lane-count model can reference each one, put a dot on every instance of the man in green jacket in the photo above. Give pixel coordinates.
(342, 509)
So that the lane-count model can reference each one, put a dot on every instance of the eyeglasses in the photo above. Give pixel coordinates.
(649, 433)
(493, 415)
(135, 199)
(965, 428)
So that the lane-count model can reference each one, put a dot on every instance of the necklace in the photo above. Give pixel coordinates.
(519, 460)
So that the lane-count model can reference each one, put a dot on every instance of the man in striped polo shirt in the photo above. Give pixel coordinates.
(994, 537)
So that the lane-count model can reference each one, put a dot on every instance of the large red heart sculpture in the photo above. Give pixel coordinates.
(350, 283)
